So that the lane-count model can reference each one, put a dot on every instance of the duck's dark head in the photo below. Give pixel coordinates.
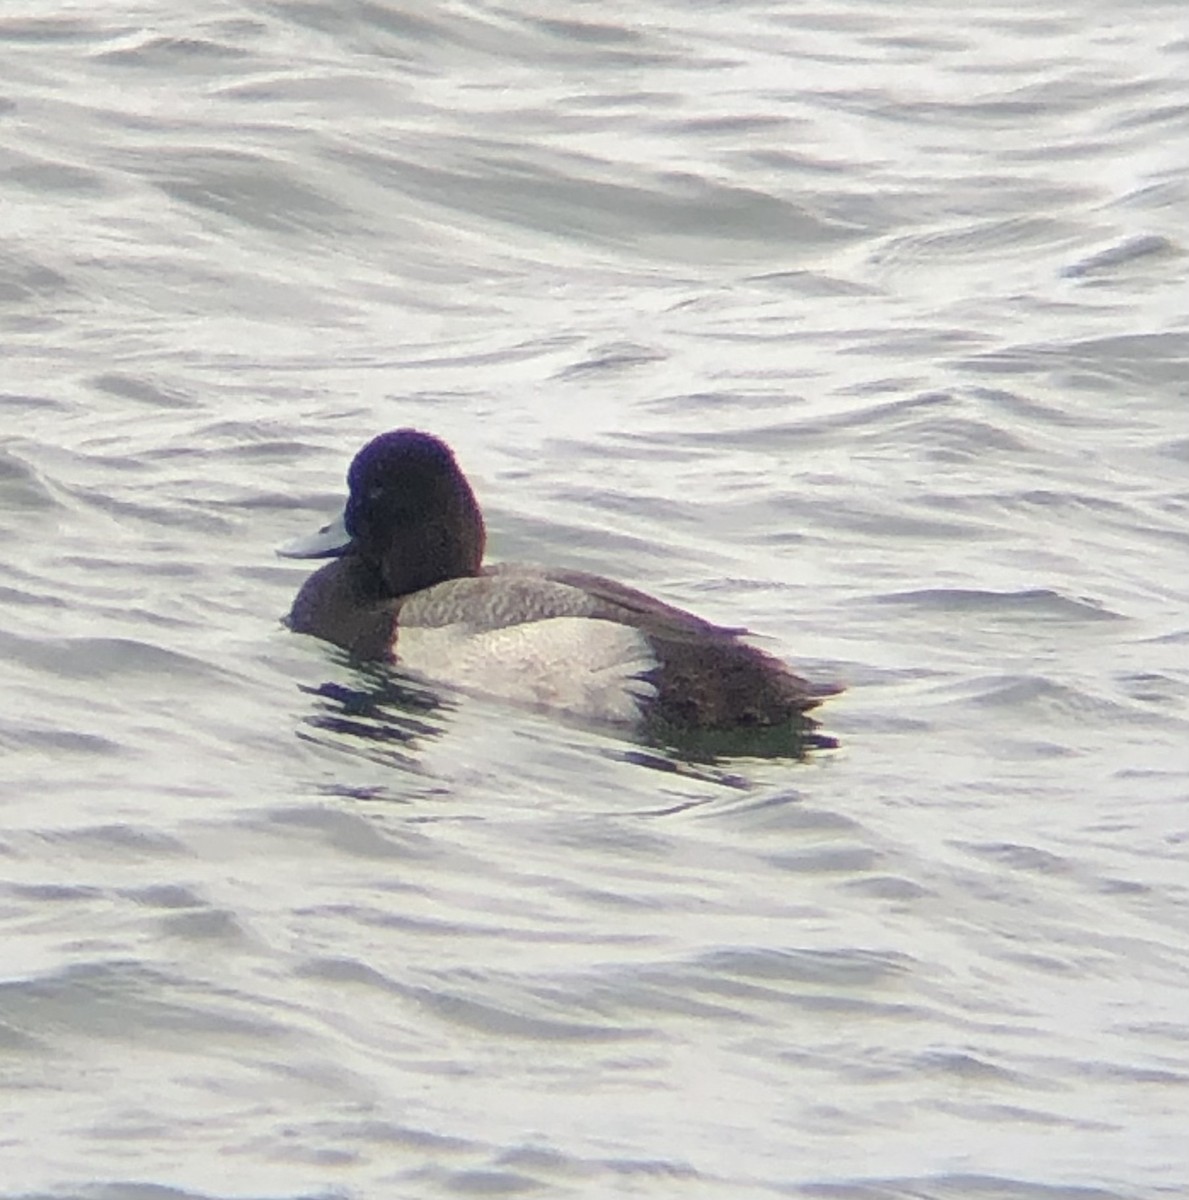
(411, 517)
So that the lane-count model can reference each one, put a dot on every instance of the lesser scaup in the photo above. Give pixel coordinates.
(408, 585)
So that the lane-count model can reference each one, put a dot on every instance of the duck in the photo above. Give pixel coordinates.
(407, 585)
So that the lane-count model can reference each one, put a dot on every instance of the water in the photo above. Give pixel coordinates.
(862, 324)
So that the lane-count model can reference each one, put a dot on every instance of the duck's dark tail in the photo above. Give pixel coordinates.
(727, 684)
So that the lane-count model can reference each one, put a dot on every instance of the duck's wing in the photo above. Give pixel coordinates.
(608, 600)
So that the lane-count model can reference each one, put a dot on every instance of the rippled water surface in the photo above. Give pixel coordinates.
(864, 325)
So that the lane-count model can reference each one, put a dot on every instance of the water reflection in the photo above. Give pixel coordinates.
(389, 717)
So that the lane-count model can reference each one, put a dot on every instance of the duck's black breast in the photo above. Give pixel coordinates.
(344, 603)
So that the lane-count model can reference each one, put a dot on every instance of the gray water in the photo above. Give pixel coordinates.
(865, 325)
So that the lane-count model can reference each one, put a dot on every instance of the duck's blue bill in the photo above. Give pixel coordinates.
(329, 542)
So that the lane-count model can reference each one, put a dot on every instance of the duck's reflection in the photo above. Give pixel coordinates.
(390, 717)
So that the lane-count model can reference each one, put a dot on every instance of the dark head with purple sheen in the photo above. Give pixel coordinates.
(411, 514)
